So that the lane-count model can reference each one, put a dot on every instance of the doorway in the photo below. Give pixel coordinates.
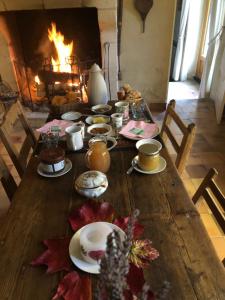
(187, 55)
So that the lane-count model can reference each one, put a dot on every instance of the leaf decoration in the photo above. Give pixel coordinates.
(74, 287)
(122, 223)
(96, 255)
(56, 257)
(91, 211)
(142, 253)
(135, 282)
(135, 279)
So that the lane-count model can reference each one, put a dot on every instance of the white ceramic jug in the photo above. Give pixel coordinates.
(96, 87)
(74, 138)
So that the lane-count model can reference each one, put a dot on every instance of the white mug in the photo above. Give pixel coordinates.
(74, 138)
(117, 120)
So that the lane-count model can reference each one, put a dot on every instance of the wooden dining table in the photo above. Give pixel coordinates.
(40, 211)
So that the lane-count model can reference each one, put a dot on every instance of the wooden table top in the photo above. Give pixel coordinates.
(41, 208)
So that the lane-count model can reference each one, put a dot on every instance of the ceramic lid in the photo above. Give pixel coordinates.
(91, 179)
(94, 68)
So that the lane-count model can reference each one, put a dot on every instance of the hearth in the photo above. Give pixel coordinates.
(52, 51)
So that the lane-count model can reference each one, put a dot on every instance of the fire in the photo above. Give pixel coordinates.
(63, 50)
(37, 79)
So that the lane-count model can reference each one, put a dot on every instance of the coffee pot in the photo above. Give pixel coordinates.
(96, 87)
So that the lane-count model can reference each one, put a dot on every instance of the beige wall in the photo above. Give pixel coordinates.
(145, 57)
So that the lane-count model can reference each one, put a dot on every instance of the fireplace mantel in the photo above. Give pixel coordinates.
(107, 18)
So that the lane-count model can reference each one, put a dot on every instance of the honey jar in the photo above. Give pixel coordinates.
(148, 157)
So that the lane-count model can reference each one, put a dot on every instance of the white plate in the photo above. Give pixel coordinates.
(106, 108)
(89, 120)
(161, 167)
(76, 256)
(137, 138)
(67, 168)
(71, 116)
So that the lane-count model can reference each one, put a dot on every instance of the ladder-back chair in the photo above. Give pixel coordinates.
(188, 132)
(7, 179)
(213, 196)
(7, 129)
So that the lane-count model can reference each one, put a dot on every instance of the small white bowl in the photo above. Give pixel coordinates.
(89, 120)
(101, 108)
(101, 125)
(71, 116)
(149, 141)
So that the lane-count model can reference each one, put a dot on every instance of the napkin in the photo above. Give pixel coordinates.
(61, 124)
(138, 128)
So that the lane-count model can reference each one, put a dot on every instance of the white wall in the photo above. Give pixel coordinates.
(145, 57)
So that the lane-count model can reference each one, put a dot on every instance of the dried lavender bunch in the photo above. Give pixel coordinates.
(164, 291)
(114, 265)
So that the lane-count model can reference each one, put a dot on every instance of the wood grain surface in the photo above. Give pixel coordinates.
(41, 207)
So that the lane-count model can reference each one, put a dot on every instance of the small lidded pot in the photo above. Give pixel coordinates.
(91, 184)
(52, 160)
(148, 155)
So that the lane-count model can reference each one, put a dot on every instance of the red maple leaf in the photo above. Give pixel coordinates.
(135, 282)
(91, 211)
(56, 257)
(122, 223)
(74, 287)
(96, 255)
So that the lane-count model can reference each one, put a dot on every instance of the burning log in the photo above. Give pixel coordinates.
(51, 77)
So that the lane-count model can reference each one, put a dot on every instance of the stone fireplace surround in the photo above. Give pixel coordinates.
(107, 18)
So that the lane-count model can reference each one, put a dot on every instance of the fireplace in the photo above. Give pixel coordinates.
(51, 50)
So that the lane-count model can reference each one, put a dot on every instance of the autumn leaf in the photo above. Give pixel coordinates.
(74, 287)
(135, 282)
(122, 223)
(142, 253)
(56, 257)
(91, 211)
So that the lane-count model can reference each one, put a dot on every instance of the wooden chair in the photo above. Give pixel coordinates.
(7, 180)
(213, 196)
(188, 132)
(19, 158)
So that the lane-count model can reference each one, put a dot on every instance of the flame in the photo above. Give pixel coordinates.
(63, 50)
(37, 79)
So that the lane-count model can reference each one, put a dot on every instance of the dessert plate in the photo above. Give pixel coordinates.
(67, 168)
(76, 256)
(71, 116)
(137, 138)
(161, 167)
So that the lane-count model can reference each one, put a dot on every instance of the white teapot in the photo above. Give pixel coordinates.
(96, 87)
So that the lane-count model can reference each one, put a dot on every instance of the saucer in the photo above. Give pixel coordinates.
(161, 167)
(67, 168)
(76, 256)
(71, 116)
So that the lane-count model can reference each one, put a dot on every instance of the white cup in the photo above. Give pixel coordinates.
(93, 240)
(117, 120)
(123, 107)
(74, 138)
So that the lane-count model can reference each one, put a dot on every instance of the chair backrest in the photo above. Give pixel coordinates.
(7, 129)
(188, 132)
(7, 180)
(214, 197)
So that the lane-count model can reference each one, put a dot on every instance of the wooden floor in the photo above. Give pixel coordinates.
(208, 151)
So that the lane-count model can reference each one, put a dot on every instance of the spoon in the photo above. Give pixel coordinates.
(134, 163)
